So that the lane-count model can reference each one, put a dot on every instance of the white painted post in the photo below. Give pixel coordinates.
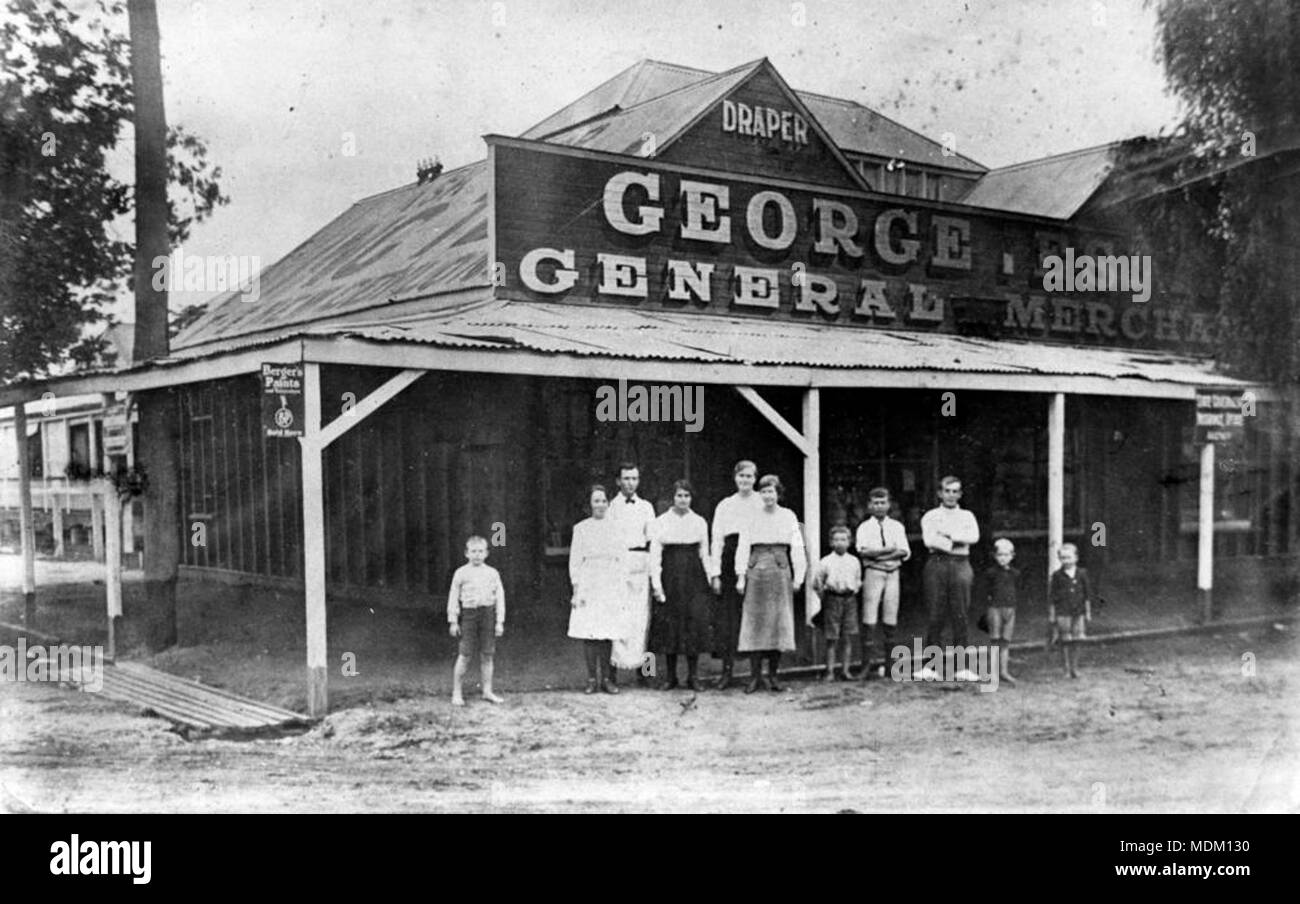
(1055, 478)
(313, 543)
(1205, 535)
(812, 492)
(113, 559)
(96, 524)
(57, 514)
(26, 529)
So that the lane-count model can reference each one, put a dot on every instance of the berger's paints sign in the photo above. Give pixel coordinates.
(583, 228)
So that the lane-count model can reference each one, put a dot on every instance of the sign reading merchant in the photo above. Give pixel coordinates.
(282, 404)
(586, 228)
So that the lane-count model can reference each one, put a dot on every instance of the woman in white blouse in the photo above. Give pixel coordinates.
(598, 571)
(680, 569)
(730, 514)
(770, 544)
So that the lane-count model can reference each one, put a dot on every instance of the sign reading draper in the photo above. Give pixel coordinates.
(282, 406)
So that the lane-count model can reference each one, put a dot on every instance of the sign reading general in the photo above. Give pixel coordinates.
(579, 227)
(282, 403)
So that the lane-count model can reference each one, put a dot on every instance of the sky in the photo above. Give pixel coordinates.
(283, 90)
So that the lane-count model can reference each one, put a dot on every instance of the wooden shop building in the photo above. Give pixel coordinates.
(775, 275)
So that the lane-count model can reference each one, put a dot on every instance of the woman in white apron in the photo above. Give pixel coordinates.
(597, 570)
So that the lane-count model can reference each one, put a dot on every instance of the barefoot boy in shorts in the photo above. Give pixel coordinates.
(837, 579)
(476, 613)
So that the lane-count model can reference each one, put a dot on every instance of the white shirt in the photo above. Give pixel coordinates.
(958, 523)
(632, 519)
(474, 586)
(875, 534)
(672, 529)
(837, 573)
(728, 518)
(780, 526)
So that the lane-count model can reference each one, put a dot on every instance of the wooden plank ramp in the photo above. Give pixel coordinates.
(191, 703)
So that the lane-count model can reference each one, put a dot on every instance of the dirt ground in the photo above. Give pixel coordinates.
(1170, 726)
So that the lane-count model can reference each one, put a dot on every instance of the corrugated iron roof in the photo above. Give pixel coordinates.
(414, 241)
(639, 82)
(861, 130)
(621, 333)
(853, 127)
(1056, 186)
(665, 116)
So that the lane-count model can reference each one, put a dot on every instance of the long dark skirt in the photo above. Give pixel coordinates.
(727, 606)
(681, 624)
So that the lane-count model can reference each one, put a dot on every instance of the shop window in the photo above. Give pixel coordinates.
(36, 454)
(1237, 491)
(79, 465)
(581, 450)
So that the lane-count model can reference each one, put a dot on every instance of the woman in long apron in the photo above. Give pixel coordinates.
(770, 546)
(679, 574)
(598, 572)
(728, 517)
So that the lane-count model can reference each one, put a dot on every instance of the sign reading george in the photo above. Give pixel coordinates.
(1220, 417)
(578, 228)
(282, 404)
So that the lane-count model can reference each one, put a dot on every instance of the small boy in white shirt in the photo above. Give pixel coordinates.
(882, 544)
(476, 613)
(837, 579)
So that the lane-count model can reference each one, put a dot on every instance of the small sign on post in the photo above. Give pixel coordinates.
(117, 431)
(1219, 418)
(282, 408)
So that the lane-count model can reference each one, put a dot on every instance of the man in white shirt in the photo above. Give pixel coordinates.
(882, 545)
(633, 517)
(948, 532)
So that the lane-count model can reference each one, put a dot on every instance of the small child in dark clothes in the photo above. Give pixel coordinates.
(999, 589)
(1069, 605)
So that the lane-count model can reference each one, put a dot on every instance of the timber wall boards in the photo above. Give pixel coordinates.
(510, 458)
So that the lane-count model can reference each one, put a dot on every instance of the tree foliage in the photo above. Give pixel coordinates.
(65, 253)
(1225, 226)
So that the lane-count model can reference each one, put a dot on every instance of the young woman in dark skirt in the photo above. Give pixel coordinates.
(679, 575)
(730, 514)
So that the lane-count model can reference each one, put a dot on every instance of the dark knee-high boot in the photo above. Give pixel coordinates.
(608, 685)
(755, 673)
(591, 651)
(887, 644)
(670, 681)
(773, 662)
(693, 672)
(724, 681)
(868, 649)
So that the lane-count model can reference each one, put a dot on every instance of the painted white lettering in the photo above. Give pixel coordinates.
(648, 218)
(757, 287)
(565, 275)
(754, 220)
(622, 275)
(705, 219)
